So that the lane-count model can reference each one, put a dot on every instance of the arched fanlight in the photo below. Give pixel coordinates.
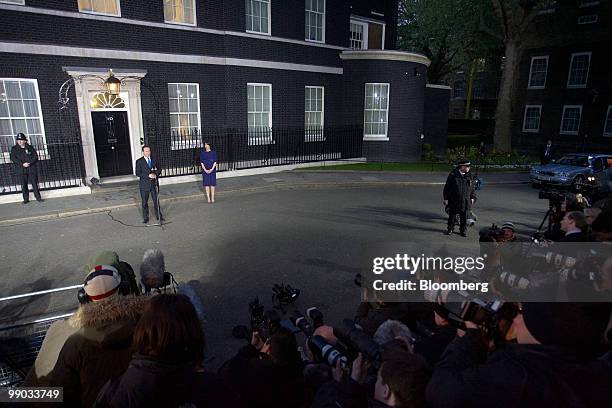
(113, 85)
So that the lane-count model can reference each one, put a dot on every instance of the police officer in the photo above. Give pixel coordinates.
(148, 170)
(459, 195)
(25, 159)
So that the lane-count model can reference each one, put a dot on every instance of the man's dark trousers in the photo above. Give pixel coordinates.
(462, 220)
(144, 195)
(32, 178)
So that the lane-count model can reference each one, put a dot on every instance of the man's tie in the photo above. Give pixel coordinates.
(149, 162)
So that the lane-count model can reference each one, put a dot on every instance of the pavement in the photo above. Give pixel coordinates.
(113, 197)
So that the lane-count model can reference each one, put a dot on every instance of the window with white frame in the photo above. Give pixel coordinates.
(20, 112)
(579, 70)
(109, 7)
(358, 35)
(259, 108)
(608, 123)
(19, 2)
(537, 72)
(314, 113)
(587, 3)
(179, 11)
(531, 119)
(376, 110)
(315, 20)
(570, 120)
(184, 102)
(258, 16)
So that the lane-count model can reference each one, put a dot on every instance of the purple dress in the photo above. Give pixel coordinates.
(208, 159)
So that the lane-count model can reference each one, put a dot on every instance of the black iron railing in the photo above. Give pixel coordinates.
(179, 152)
(60, 165)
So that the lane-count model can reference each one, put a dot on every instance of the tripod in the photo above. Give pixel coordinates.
(157, 201)
(548, 216)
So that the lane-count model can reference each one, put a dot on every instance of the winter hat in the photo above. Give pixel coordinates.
(508, 225)
(101, 282)
(464, 162)
(577, 325)
(21, 136)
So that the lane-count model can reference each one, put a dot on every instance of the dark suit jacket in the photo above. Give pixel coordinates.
(142, 171)
(545, 159)
(575, 237)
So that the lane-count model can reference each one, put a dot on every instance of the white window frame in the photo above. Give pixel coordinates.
(43, 154)
(364, 40)
(379, 137)
(565, 107)
(529, 86)
(16, 3)
(322, 41)
(103, 14)
(608, 117)
(569, 74)
(588, 3)
(269, 33)
(539, 107)
(260, 140)
(190, 143)
(582, 20)
(308, 137)
(195, 17)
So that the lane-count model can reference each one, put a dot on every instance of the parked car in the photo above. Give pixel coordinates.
(576, 170)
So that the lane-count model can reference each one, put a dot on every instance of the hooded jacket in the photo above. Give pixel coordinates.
(82, 353)
(518, 375)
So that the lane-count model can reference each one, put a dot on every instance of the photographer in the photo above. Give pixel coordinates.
(434, 343)
(574, 225)
(266, 373)
(401, 382)
(553, 363)
(601, 228)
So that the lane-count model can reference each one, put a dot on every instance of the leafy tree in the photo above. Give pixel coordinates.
(512, 24)
(446, 31)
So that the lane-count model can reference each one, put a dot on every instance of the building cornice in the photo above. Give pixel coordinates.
(385, 55)
(438, 86)
(85, 52)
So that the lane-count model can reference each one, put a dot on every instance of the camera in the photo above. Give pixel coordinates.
(264, 322)
(283, 296)
(491, 234)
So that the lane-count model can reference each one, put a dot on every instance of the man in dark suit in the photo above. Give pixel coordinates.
(459, 194)
(546, 152)
(574, 225)
(148, 170)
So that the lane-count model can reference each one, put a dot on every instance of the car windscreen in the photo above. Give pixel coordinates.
(580, 161)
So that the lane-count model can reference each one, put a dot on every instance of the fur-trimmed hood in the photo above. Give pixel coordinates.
(111, 310)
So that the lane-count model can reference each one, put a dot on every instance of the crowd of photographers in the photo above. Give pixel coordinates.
(142, 344)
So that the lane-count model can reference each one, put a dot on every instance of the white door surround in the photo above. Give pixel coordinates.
(88, 82)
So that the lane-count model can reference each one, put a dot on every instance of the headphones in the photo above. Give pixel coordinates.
(103, 270)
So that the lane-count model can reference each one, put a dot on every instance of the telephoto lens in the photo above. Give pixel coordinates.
(315, 315)
(302, 323)
(326, 352)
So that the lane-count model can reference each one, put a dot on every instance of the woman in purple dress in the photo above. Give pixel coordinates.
(208, 160)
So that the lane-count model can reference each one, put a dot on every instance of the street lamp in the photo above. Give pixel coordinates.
(113, 85)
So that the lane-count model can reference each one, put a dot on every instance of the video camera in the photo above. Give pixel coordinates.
(264, 322)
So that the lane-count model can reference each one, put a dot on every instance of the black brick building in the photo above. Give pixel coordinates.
(564, 92)
(201, 67)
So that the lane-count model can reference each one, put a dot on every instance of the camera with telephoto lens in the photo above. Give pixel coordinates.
(353, 340)
(264, 322)
(493, 315)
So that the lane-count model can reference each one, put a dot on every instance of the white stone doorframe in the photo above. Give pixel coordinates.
(84, 86)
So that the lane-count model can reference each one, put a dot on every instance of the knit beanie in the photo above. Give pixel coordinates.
(102, 282)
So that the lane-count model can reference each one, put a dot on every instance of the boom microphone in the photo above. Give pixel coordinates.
(152, 270)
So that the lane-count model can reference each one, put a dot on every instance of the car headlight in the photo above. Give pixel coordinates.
(591, 179)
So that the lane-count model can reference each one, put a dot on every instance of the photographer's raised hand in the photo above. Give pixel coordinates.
(359, 370)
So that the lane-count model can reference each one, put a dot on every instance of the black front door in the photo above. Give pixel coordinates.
(112, 138)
